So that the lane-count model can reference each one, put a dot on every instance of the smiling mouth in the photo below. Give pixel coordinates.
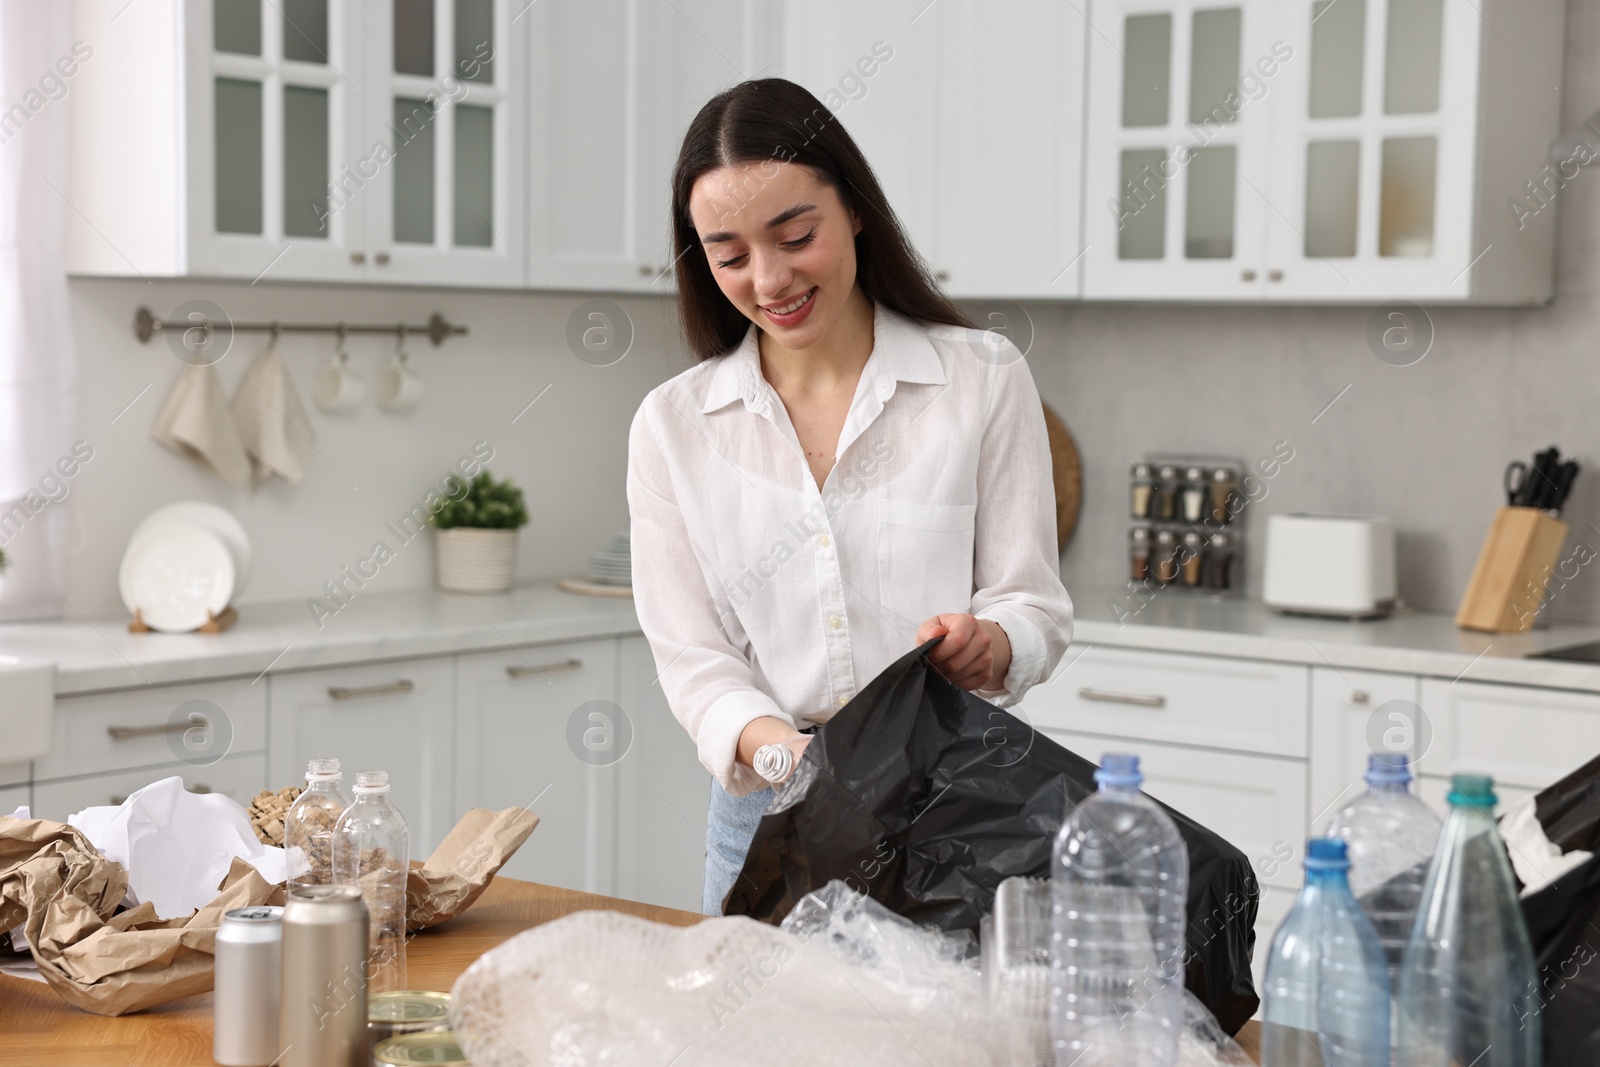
(793, 306)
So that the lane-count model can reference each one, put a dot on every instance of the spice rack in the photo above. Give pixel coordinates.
(1186, 532)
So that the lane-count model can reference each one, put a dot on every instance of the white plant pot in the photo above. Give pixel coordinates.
(473, 560)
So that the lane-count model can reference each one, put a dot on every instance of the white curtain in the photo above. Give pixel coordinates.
(38, 374)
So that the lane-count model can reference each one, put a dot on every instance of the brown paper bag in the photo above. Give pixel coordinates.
(65, 894)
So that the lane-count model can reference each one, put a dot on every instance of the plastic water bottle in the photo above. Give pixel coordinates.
(1325, 1002)
(1390, 835)
(1119, 885)
(308, 825)
(371, 849)
(1468, 986)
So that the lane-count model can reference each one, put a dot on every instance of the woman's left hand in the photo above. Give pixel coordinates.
(975, 653)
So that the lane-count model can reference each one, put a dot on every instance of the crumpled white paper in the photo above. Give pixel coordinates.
(176, 845)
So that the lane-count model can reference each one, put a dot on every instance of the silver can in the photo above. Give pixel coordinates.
(245, 1008)
(323, 994)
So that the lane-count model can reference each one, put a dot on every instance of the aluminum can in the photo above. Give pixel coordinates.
(322, 1020)
(245, 1008)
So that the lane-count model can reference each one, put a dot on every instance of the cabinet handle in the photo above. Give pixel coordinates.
(1247, 275)
(127, 733)
(645, 270)
(1360, 696)
(358, 257)
(381, 259)
(1122, 698)
(523, 670)
(341, 692)
(941, 275)
(1274, 275)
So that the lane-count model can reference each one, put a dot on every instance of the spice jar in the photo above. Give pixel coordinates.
(1139, 553)
(1219, 562)
(1166, 556)
(1167, 493)
(1190, 556)
(1193, 494)
(1224, 483)
(1143, 491)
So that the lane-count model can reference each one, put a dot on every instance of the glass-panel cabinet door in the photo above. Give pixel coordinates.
(442, 147)
(1177, 169)
(1374, 137)
(272, 114)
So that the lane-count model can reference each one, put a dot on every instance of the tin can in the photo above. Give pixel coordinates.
(245, 1008)
(406, 1011)
(420, 1050)
(322, 1012)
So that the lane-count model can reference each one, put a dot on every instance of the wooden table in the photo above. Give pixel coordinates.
(39, 1029)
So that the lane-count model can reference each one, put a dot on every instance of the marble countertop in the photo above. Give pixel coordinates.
(99, 653)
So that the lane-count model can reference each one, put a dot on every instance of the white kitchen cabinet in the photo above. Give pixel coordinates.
(13, 797)
(613, 85)
(1524, 737)
(15, 773)
(242, 139)
(396, 717)
(1357, 150)
(1206, 701)
(538, 728)
(988, 191)
(1352, 717)
(663, 793)
(239, 777)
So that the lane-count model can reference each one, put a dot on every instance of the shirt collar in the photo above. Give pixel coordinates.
(901, 352)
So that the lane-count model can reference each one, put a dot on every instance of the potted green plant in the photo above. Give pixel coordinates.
(476, 536)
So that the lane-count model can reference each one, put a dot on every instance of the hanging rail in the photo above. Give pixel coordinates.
(146, 326)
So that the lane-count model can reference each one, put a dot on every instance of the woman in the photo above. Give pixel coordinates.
(849, 471)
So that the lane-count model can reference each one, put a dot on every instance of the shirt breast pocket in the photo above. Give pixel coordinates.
(924, 559)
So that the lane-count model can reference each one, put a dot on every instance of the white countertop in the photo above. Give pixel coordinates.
(280, 636)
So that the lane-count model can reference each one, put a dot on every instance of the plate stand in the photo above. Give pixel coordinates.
(214, 624)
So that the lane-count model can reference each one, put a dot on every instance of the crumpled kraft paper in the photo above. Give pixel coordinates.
(65, 894)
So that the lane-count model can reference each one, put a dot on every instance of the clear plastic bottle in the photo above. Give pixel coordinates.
(371, 849)
(1390, 835)
(1468, 985)
(1119, 887)
(1325, 1001)
(308, 825)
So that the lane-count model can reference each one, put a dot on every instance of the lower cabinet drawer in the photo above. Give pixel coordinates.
(1257, 803)
(1208, 701)
(239, 777)
(1523, 736)
(103, 732)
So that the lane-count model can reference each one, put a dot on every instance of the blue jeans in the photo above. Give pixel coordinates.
(730, 824)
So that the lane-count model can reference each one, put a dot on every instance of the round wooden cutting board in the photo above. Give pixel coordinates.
(1067, 473)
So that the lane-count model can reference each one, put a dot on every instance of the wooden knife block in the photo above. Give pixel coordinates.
(1508, 584)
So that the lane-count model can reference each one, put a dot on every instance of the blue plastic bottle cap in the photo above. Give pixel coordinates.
(1326, 854)
(1474, 790)
(1388, 767)
(1119, 768)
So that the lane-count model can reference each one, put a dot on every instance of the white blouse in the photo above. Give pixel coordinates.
(762, 595)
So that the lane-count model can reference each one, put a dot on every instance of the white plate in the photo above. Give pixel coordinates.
(218, 520)
(174, 573)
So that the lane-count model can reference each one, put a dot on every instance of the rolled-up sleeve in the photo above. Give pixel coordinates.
(1016, 566)
(708, 682)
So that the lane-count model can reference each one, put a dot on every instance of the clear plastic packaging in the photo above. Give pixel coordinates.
(371, 849)
(1469, 990)
(1326, 996)
(1389, 835)
(1120, 879)
(308, 825)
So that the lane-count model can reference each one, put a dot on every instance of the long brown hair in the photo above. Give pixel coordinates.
(776, 121)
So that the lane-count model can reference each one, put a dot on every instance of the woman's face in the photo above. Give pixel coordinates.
(780, 244)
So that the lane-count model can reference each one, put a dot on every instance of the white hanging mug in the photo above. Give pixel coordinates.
(399, 388)
(338, 387)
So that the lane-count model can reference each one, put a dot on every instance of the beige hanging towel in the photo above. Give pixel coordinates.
(197, 423)
(272, 422)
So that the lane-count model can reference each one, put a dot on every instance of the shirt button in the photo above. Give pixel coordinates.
(833, 621)
(843, 701)
(823, 541)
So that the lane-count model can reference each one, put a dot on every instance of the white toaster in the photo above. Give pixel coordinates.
(1341, 565)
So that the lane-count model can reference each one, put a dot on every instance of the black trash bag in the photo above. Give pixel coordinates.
(925, 798)
(1563, 919)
